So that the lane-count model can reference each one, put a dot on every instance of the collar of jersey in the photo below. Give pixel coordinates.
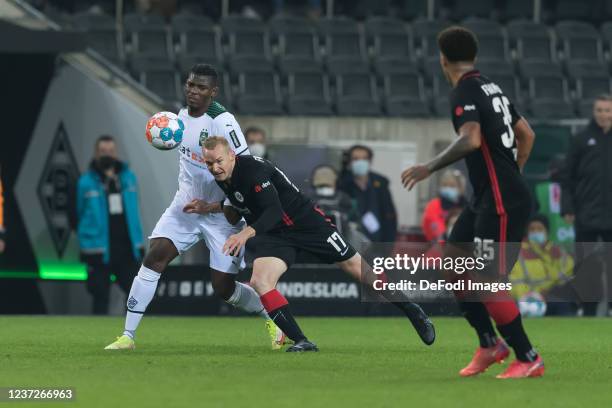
(470, 74)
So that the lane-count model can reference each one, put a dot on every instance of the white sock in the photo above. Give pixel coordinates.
(245, 298)
(142, 292)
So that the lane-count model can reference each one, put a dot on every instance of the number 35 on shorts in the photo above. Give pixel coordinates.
(484, 248)
(338, 243)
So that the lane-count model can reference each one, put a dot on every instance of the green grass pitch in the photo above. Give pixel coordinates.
(225, 362)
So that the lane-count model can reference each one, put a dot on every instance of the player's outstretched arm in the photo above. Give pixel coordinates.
(469, 140)
(525, 137)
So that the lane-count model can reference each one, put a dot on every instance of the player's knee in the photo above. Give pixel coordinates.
(261, 284)
(159, 255)
(223, 285)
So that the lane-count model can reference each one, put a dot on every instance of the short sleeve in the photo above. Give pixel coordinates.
(227, 126)
(516, 116)
(464, 107)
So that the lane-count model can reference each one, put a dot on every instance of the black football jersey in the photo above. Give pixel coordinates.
(493, 171)
(265, 196)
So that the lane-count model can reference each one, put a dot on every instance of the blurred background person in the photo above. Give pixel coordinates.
(586, 199)
(337, 205)
(256, 139)
(450, 198)
(109, 227)
(371, 193)
(2, 230)
(545, 269)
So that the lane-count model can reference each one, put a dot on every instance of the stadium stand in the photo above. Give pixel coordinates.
(565, 59)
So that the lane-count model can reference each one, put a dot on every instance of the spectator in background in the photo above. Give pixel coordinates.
(2, 230)
(109, 229)
(371, 193)
(450, 197)
(586, 199)
(543, 268)
(256, 139)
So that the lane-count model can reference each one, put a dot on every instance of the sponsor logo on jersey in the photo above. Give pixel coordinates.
(469, 108)
(258, 188)
(459, 111)
(239, 196)
(203, 136)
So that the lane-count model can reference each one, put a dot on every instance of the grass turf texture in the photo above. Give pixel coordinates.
(189, 362)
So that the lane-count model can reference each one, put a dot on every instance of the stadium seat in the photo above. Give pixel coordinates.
(246, 37)
(163, 81)
(308, 93)
(389, 38)
(425, 33)
(533, 41)
(492, 42)
(551, 109)
(297, 44)
(101, 33)
(513, 9)
(198, 41)
(590, 77)
(414, 9)
(572, 9)
(148, 38)
(440, 88)
(405, 95)
(432, 68)
(606, 32)
(258, 93)
(473, 8)
(344, 44)
(388, 65)
(529, 69)
(356, 95)
(579, 40)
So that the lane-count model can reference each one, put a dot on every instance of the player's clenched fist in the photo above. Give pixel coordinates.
(414, 174)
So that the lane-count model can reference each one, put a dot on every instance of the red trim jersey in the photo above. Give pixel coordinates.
(494, 174)
(265, 196)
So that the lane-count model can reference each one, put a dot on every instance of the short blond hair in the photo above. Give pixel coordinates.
(213, 141)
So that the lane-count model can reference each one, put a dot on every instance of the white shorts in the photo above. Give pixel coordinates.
(185, 230)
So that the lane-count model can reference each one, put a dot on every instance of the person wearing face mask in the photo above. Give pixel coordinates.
(450, 197)
(108, 223)
(586, 195)
(544, 268)
(256, 140)
(371, 193)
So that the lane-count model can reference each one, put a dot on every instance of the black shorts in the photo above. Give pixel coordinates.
(495, 237)
(312, 236)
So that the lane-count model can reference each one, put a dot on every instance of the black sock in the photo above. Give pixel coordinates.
(515, 336)
(283, 318)
(478, 317)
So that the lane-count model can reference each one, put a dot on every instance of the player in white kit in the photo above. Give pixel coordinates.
(196, 213)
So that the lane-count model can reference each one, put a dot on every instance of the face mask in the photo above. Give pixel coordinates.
(325, 191)
(537, 237)
(450, 193)
(258, 149)
(360, 167)
(106, 162)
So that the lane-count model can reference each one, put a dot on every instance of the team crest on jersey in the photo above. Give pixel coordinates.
(203, 136)
(239, 196)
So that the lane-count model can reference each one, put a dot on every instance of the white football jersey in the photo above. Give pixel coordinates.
(195, 181)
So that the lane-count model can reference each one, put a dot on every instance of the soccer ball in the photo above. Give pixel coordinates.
(165, 131)
(532, 304)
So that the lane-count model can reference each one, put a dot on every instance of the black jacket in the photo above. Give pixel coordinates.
(587, 180)
(376, 198)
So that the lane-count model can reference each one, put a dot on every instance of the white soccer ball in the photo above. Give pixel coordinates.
(165, 130)
(532, 304)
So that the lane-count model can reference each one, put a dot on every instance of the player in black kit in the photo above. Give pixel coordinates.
(495, 142)
(282, 222)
